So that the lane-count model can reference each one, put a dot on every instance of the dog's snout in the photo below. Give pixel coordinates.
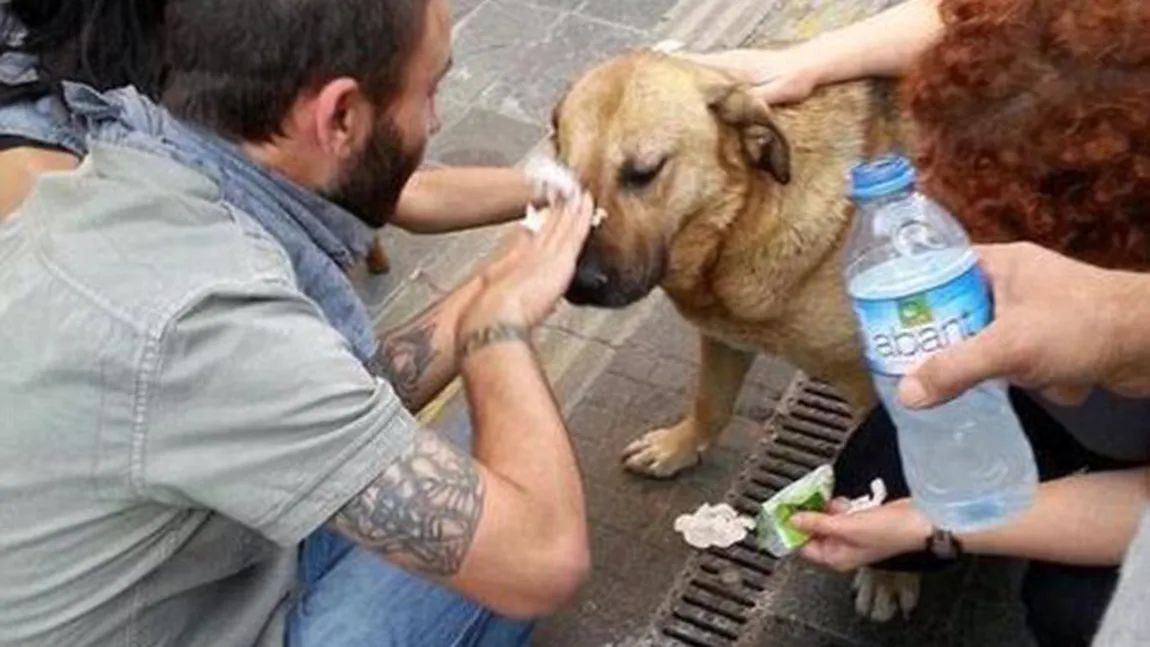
(590, 281)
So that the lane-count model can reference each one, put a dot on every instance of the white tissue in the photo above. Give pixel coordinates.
(713, 525)
(546, 174)
(667, 46)
(877, 497)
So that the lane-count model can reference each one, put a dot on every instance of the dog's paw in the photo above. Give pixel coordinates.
(881, 594)
(662, 453)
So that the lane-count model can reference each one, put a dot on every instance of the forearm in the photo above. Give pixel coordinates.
(418, 358)
(519, 434)
(1087, 519)
(883, 45)
(530, 553)
(455, 198)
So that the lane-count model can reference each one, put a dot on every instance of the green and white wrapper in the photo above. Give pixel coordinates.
(811, 493)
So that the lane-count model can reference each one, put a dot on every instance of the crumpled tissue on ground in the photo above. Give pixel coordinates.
(713, 525)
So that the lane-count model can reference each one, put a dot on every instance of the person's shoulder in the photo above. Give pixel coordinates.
(146, 234)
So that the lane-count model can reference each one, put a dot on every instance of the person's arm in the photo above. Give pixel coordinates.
(508, 526)
(418, 358)
(1086, 519)
(883, 45)
(450, 198)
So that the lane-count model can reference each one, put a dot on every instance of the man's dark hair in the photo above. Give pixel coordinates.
(103, 43)
(237, 66)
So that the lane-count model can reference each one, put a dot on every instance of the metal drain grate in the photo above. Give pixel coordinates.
(716, 597)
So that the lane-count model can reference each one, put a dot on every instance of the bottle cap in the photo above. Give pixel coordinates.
(880, 177)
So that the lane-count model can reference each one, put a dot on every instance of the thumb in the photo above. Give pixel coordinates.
(950, 372)
(816, 524)
(775, 92)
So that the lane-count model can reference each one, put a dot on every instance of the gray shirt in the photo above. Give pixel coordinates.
(175, 416)
(1107, 424)
(1127, 623)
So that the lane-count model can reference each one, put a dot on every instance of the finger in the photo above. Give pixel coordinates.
(814, 551)
(554, 220)
(773, 92)
(950, 372)
(815, 523)
(838, 505)
(996, 262)
(576, 220)
(826, 554)
(579, 222)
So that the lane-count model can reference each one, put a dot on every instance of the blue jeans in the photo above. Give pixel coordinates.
(354, 598)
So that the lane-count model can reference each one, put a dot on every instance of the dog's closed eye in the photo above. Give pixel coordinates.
(635, 175)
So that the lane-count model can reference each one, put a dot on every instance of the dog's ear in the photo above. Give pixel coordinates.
(763, 142)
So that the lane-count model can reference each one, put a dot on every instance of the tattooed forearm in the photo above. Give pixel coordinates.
(404, 358)
(422, 512)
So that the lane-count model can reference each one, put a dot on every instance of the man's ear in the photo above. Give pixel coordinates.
(764, 143)
(342, 117)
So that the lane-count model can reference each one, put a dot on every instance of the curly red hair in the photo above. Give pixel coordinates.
(1032, 122)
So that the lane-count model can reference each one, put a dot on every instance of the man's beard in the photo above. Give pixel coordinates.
(370, 185)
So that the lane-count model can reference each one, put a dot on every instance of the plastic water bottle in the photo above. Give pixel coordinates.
(916, 288)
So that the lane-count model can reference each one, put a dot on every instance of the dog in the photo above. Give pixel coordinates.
(738, 212)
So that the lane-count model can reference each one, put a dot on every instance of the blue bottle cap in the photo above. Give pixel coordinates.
(880, 176)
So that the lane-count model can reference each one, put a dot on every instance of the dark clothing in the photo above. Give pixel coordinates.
(1050, 589)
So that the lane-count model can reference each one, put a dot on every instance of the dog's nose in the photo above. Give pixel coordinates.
(588, 285)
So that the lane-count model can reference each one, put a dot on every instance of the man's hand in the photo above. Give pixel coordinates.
(524, 285)
(1059, 325)
(845, 542)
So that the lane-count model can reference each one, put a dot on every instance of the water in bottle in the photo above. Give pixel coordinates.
(916, 288)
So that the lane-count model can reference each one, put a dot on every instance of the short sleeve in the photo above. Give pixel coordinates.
(259, 411)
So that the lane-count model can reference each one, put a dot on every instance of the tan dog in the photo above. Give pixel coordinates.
(738, 212)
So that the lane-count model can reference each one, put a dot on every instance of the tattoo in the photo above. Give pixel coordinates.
(422, 512)
(403, 359)
(493, 335)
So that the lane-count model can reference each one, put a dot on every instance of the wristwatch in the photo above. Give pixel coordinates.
(943, 544)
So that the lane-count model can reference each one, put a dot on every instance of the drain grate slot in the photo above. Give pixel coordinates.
(703, 599)
(702, 619)
(718, 589)
(802, 460)
(718, 596)
(691, 636)
(812, 430)
(821, 448)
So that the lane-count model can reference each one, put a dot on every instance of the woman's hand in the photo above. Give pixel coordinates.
(844, 542)
(775, 76)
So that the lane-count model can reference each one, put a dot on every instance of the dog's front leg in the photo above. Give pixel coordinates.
(664, 452)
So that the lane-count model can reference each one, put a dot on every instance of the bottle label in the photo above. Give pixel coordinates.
(899, 333)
